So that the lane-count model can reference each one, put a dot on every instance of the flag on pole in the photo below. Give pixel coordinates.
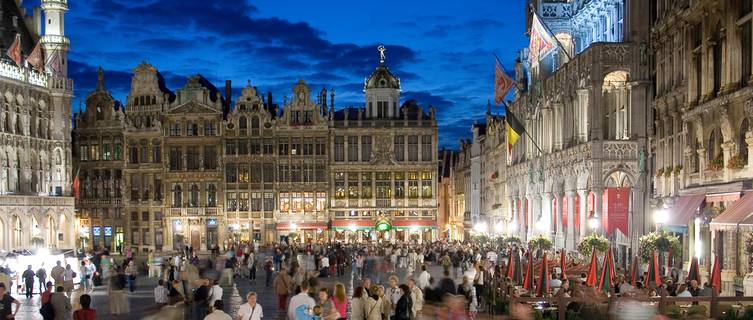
(77, 185)
(607, 273)
(716, 275)
(14, 51)
(35, 58)
(541, 42)
(543, 285)
(514, 129)
(54, 65)
(502, 82)
(591, 278)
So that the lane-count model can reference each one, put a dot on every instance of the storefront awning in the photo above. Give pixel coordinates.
(684, 209)
(353, 224)
(406, 224)
(302, 225)
(739, 213)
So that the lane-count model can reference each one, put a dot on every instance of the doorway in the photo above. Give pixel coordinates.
(195, 239)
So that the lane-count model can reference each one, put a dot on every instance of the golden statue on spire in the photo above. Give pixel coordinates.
(381, 50)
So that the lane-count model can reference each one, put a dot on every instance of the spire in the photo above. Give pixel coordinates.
(488, 107)
(100, 79)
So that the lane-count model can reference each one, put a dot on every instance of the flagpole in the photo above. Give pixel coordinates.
(562, 47)
(525, 131)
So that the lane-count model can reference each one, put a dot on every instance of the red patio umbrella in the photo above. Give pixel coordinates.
(543, 287)
(694, 273)
(510, 265)
(653, 270)
(563, 263)
(607, 273)
(591, 279)
(528, 279)
(634, 272)
(716, 275)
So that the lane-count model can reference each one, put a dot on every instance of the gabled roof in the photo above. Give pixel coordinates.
(10, 10)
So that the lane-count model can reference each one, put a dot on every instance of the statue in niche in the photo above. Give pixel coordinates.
(643, 50)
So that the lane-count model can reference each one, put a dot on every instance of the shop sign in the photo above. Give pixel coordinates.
(383, 225)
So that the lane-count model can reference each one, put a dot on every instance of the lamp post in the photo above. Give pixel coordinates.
(660, 218)
(593, 223)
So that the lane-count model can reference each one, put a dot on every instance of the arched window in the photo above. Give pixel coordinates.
(714, 149)
(742, 146)
(177, 196)
(193, 196)
(242, 123)
(255, 125)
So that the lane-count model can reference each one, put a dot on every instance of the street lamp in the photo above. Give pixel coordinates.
(593, 223)
(481, 227)
(499, 227)
(660, 217)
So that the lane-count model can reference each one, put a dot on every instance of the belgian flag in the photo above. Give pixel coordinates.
(514, 129)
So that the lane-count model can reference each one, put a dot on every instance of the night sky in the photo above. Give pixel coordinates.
(441, 50)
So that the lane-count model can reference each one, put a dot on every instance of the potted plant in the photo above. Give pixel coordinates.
(660, 172)
(717, 164)
(591, 241)
(659, 241)
(678, 169)
(540, 242)
(736, 162)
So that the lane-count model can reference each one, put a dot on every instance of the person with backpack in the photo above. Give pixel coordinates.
(42, 277)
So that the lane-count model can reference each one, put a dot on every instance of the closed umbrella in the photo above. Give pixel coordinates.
(716, 275)
(653, 269)
(528, 279)
(591, 279)
(514, 270)
(634, 271)
(607, 273)
(510, 261)
(563, 263)
(543, 287)
(694, 272)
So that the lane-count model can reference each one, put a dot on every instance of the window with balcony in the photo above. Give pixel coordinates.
(193, 196)
(177, 195)
(211, 195)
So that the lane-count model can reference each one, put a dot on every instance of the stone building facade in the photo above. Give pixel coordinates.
(702, 137)
(586, 107)
(187, 169)
(36, 207)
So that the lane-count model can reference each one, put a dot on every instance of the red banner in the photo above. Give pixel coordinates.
(564, 213)
(616, 207)
(555, 211)
(576, 213)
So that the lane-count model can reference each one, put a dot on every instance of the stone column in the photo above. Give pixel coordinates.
(749, 143)
(546, 214)
(570, 236)
(701, 164)
(727, 148)
(583, 204)
(582, 111)
(595, 110)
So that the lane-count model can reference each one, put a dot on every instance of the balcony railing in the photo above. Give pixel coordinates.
(42, 201)
(11, 71)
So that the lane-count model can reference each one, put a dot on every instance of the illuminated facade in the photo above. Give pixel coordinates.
(587, 114)
(171, 169)
(702, 128)
(36, 207)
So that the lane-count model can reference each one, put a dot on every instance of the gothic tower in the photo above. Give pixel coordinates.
(54, 41)
(382, 90)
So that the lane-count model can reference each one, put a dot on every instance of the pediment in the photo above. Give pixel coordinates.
(192, 107)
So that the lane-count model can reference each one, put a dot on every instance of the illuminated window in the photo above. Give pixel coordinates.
(284, 202)
(256, 201)
(243, 173)
(243, 201)
(232, 201)
(308, 201)
(297, 202)
(366, 185)
(413, 185)
(321, 201)
(269, 201)
(353, 185)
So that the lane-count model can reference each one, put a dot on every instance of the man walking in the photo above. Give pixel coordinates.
(57, 274)
(42, 276)
(28, 277)
(61, 304)
(283, 283)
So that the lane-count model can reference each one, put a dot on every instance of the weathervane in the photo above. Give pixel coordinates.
(381, 50)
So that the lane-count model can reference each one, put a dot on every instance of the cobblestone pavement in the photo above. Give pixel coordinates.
(142, 304)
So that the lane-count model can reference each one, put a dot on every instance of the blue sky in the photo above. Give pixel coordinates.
(442, 50)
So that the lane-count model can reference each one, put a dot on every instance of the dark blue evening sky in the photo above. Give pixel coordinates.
(442, 50)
